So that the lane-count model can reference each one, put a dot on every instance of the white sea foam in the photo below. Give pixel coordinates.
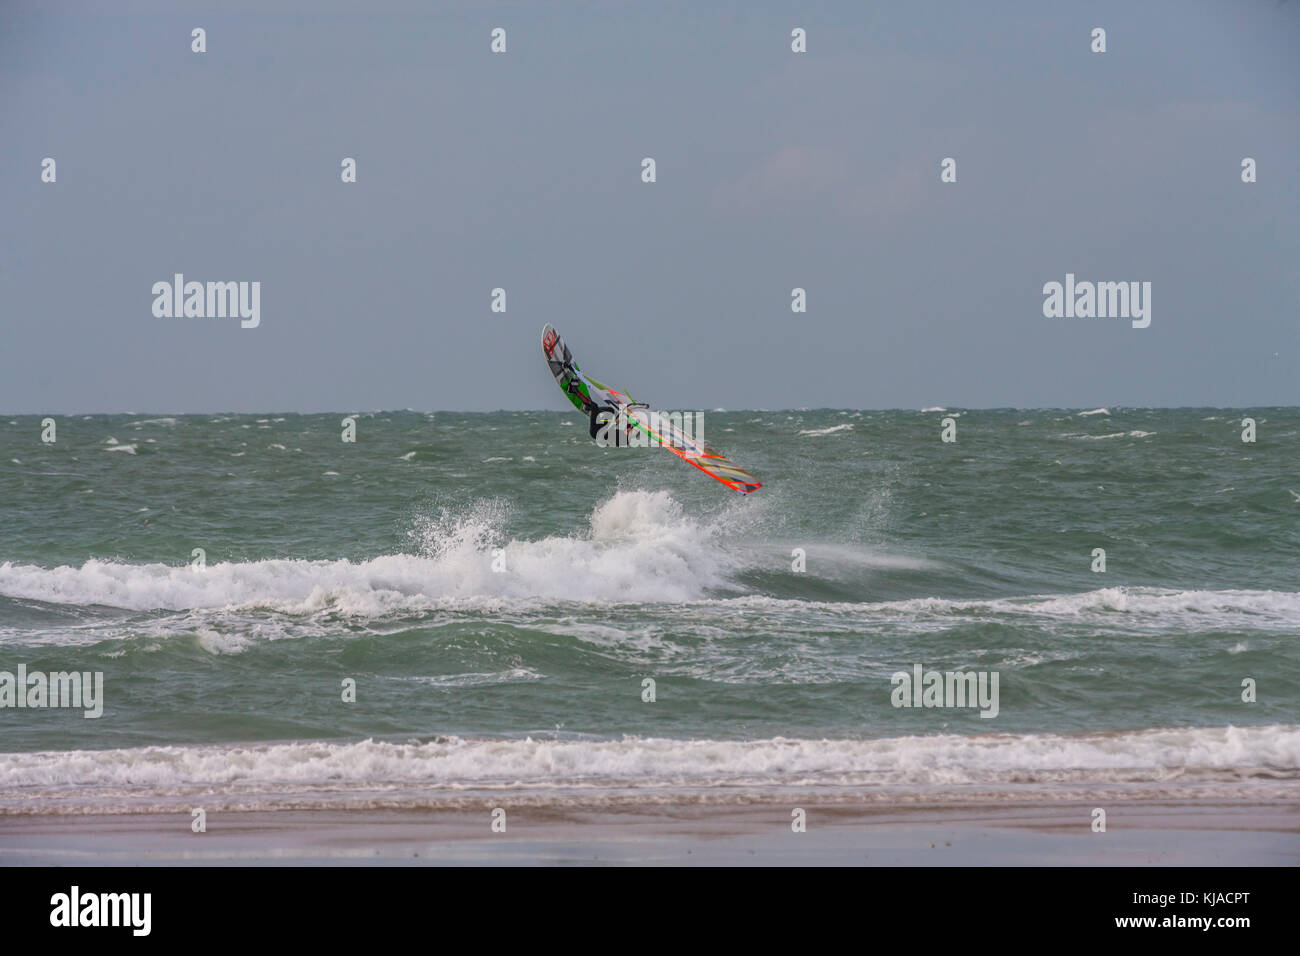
(1136, 607)
(1184, 755)
(827, 431)
(476, 679)
(842, 561)
(1132, 434)
(638, 548)
(215, 642)
(1095, 411)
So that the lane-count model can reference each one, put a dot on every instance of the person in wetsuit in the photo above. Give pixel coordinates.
(594, 427)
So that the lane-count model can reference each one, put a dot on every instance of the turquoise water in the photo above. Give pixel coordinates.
(373, 561)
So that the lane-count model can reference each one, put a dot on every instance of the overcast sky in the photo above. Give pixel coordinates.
(522, 170)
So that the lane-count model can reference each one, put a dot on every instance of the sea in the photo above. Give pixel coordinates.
(465, 609)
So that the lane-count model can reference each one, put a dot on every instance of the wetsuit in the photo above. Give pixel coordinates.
(617, 431)
(593, 426)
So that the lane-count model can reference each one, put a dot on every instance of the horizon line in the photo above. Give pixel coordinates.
(934, 409)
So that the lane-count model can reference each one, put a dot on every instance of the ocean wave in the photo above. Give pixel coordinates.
(1237, 608)
(476, 680)
(229, 608)
(831, 430)
(638, 548)
(1137, 433)
(1187, 755)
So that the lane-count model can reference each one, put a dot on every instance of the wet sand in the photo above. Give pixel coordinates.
(1174, 833)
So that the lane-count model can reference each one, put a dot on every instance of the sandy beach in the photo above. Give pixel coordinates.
(1175, 833)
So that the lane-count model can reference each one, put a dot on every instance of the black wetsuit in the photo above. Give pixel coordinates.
(594, 427)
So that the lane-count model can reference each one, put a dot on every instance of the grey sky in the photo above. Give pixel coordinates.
(522, 170)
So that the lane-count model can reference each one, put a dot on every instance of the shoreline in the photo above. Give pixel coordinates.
(1174, 832)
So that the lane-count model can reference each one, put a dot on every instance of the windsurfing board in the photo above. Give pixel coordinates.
(584, 392)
